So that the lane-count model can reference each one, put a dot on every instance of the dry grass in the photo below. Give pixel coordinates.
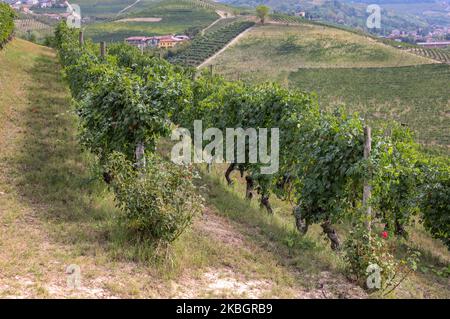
(271, 52)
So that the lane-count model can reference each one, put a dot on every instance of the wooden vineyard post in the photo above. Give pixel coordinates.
(140, 155)
(102, 49)
(367, 193)
(211, 70)
(81, 38)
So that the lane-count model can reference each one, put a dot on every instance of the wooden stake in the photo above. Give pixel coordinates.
(211, 70)
(140, 155)
(367, 188)
(81, 38)
(102, 49)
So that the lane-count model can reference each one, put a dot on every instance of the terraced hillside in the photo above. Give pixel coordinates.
(205, 46)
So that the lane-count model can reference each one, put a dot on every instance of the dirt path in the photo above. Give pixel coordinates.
(232, 42)
(222, 281)
(128, 7)
(212, 24)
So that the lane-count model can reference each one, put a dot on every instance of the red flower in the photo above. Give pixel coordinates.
(384, 234)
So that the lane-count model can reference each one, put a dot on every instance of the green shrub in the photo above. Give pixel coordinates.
(435, 201)
(362, 250)
(158, 201)
(7, 16)
(371, 262)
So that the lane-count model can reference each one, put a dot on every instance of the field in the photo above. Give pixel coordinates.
(415, 95)
(370, 77)
(176, 17)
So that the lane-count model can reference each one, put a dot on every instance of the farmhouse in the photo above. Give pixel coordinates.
(164, 42)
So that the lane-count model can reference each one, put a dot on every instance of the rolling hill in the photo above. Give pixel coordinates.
(377, 80)
(402, 14)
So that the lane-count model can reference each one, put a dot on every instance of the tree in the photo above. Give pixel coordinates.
(262, 12)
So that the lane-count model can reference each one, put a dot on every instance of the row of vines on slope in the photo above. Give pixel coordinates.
(122, 114)
(7, 16)
(126, 101)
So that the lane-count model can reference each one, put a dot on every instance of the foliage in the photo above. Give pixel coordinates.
(120, 109)
(367, 253)
(434, 200)
(158, 201)
(7, 16)
(26, 28)
(127, 99)
(362, 250)
(331, 168)
(262, 12)
(419, 92)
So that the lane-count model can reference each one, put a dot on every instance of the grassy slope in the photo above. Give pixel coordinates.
(52, 214)
(344, 67)
(176, 18)
(275, 50)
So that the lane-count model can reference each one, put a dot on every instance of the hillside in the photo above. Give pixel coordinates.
(169, 17)
(53, 213)
(349, 13)
(328, 60)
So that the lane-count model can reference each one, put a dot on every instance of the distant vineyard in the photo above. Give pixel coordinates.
(206, 46)
(206, 4)
(31, 24)
(222, 23)
(435, 54)
(33, 30)
(282, 18)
